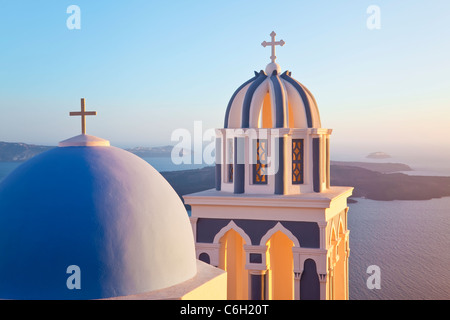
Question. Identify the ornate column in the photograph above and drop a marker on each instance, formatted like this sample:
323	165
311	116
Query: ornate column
324	294
193	221
297	277
347	254
239	165
323	234
279	175
218	171
298	270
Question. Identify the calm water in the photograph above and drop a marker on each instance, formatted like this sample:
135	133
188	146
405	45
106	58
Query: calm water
408	240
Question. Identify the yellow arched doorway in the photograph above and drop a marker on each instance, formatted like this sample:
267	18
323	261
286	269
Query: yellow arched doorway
280	273
232	260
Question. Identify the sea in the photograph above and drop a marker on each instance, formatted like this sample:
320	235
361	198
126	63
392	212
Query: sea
407	241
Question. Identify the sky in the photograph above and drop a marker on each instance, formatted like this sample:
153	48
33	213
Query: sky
151	67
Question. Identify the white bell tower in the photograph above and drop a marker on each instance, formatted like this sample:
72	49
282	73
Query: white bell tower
273	222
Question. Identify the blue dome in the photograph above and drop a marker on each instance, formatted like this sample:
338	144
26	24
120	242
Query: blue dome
102	209
272	101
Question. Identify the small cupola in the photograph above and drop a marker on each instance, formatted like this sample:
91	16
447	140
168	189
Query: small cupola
272	140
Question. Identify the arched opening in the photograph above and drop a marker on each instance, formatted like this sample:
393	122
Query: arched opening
280	273
232	260
340	268
265	116
332	262
204	257
291	123
333	238
309	281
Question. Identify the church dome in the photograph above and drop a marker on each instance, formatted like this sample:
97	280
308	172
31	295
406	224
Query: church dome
99	208
271	100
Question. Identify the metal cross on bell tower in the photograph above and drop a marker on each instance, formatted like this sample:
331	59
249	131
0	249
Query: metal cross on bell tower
273	43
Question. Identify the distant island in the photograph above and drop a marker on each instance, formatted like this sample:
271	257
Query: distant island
12	152
378	155
376	181
376	185
375	166
147	152
369	184
17	152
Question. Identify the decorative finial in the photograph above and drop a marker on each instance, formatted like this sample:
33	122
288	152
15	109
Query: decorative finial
83	115
273	43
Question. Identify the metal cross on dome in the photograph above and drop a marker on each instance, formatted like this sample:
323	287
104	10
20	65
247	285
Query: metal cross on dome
83	113
273	43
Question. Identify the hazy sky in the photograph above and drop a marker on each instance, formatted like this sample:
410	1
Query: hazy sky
150	67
